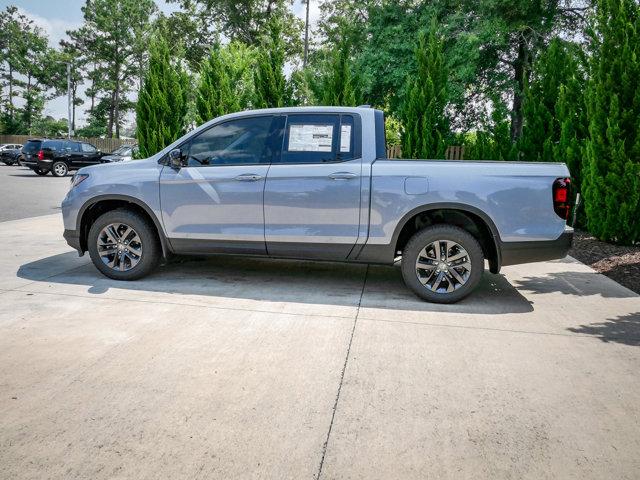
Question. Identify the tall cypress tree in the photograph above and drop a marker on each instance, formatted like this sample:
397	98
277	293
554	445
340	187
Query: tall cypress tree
426	126
162	101
611	179
337	86
557	68
270	82
215	95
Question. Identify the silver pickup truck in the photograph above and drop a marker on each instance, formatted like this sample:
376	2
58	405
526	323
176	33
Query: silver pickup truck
315	183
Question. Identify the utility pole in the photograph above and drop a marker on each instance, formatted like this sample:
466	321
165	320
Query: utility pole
306	37
69	100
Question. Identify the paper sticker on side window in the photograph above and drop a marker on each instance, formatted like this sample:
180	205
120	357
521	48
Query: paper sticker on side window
310	138
345	138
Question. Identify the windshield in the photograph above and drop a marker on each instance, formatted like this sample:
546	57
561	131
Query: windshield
32	146
122	151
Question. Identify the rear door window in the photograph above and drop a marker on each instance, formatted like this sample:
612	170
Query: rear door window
319	138
32	146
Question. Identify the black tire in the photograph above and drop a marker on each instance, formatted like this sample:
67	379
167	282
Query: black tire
59	169
427	237
151	249
40	172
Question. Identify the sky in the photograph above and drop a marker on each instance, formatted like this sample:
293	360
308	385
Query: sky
55	17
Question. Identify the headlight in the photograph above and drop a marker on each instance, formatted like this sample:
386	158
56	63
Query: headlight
78	178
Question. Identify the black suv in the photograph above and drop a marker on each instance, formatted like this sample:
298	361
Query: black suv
59	156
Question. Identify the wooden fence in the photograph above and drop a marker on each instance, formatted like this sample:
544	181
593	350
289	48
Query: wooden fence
107	145
454	152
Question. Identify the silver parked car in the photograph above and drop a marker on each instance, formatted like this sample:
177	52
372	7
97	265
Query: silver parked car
315	183
121	154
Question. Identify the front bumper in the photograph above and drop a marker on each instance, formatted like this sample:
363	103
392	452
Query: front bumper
73	240
515	253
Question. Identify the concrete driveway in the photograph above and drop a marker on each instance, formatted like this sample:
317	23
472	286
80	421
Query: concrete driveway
229	368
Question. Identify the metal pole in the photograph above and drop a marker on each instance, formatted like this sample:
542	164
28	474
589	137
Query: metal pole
69	100
306	37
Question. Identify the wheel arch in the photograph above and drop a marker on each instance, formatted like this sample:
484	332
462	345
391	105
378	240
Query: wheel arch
470	218
100	204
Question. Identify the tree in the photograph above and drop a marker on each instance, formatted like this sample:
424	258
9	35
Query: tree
270	83
426	127
247	20
502	39
215	96
28	66
611	179
337	84
558	68
162	101
114	35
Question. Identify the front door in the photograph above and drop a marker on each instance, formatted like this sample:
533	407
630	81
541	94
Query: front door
215	202
87	156
312	193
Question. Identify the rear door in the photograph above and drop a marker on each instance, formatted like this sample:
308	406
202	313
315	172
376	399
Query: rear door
312	193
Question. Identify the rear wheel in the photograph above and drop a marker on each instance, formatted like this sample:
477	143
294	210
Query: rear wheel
40	172
123	245
442	264
59	169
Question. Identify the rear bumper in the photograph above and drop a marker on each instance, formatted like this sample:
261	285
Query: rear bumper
73	240
514	253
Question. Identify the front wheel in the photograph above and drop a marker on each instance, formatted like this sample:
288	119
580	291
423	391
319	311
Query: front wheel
442	263
123	245
59	169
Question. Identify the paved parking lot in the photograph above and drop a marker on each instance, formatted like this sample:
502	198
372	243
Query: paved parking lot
25	194
231	368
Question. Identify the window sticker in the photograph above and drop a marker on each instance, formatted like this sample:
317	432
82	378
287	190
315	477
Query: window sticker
345	138
310	138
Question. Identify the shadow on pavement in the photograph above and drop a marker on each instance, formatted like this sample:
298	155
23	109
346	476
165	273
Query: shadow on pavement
279	281
574	283
623	329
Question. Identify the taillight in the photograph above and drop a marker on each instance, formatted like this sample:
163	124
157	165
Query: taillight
40	155
561	197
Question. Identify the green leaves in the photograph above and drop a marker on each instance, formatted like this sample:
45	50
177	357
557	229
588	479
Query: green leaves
215	96
162	102
270	83
426	126
611	180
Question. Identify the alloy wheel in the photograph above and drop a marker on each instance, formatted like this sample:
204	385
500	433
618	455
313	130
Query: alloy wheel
60	169
443	266
119	247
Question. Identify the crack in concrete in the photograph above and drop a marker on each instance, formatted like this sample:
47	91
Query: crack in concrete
344	368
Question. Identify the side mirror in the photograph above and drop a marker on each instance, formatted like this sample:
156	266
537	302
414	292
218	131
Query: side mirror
175	158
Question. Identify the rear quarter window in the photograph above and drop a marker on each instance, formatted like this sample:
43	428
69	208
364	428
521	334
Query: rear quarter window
55	145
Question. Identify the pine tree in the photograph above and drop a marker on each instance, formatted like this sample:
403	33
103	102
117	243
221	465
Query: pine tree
426	126
162	102
337	86
215	95
270	82
611	178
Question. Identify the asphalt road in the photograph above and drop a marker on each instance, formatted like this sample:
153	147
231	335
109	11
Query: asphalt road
25	194
261	369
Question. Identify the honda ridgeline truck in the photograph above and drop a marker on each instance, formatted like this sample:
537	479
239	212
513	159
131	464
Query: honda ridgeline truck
314	183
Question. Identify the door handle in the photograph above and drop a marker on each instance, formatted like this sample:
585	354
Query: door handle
342	175
248	177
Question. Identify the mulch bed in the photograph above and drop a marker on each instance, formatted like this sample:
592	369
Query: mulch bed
621	264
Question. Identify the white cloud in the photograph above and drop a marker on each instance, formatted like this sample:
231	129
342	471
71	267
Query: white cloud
54	28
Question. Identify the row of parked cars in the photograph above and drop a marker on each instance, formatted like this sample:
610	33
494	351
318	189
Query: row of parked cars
58	156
